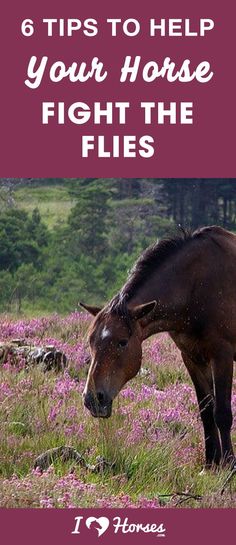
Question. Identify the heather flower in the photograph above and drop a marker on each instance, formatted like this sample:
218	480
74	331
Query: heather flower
55	410
155	430
5	390
64	386
46	503
128	393
75	430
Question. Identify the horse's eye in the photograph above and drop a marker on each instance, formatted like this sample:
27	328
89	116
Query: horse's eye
122	343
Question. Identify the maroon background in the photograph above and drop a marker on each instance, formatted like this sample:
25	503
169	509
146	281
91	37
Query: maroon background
183	527
205	149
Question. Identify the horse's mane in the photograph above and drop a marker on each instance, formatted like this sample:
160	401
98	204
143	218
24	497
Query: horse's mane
152	258
149	261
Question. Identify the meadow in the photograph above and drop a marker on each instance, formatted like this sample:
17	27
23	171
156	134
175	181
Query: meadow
53	202
148	454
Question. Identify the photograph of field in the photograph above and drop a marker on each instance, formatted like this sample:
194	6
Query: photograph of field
65	241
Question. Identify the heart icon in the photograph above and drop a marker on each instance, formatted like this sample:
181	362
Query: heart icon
103	523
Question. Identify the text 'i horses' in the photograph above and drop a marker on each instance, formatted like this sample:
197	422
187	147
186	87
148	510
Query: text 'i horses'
187	287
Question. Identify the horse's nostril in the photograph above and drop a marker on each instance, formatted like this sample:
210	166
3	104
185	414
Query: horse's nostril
100	397
99	404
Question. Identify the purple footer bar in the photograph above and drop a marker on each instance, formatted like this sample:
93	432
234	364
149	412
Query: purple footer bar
121	526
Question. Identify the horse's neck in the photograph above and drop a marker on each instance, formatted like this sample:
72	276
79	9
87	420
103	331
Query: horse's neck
170	311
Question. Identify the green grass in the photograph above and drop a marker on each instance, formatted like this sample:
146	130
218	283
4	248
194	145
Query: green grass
148	457
138	471
53	201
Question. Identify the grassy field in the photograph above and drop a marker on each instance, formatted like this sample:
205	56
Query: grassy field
53	201
148	454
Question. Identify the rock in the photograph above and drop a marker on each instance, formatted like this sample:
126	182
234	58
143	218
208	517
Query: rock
143	372
18	342
65	454
54	360
101	465
47	357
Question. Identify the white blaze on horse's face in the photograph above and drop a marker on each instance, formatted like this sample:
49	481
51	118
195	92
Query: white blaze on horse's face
105	333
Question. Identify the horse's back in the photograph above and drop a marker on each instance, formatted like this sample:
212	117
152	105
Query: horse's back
213	299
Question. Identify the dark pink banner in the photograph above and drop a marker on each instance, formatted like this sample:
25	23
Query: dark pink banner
205	148
75	527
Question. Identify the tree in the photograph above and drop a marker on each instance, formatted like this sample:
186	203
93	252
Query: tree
20	239
88	222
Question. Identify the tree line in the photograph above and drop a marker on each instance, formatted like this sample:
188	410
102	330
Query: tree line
87	256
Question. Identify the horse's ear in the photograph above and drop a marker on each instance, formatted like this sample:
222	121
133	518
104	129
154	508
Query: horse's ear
140	311
92	310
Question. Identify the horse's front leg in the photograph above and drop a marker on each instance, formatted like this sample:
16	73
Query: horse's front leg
222	369
202	380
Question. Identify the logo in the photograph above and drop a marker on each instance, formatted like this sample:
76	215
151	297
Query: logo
102	522
117	525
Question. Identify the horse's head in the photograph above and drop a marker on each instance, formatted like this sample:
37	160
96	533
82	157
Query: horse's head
115	340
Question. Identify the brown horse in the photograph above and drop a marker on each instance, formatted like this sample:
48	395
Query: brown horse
187	287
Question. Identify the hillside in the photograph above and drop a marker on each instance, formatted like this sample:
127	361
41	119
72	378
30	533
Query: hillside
64	240
52	199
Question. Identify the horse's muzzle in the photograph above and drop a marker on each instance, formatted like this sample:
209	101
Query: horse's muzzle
100	405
